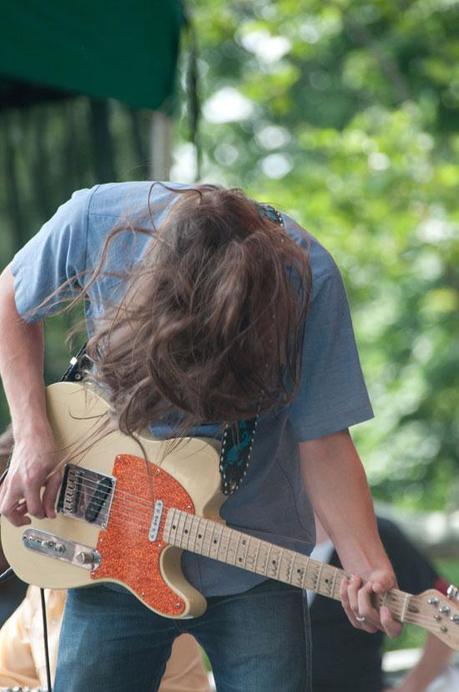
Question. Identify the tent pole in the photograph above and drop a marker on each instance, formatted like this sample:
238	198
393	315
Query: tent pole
160	146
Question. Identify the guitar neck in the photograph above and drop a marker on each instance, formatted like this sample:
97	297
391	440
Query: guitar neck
219	542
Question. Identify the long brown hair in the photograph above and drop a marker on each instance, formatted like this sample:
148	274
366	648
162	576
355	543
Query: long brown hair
211	322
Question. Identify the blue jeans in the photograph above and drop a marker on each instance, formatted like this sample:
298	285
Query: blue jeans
257	641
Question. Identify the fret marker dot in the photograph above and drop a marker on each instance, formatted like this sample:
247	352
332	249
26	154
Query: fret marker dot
199	535
186	531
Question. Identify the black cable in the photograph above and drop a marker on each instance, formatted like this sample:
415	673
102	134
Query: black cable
8	573
45	637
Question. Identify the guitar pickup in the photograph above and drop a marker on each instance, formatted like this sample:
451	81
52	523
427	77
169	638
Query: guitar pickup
86	495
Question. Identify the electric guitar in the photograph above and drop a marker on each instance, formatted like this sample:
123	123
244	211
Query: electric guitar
127	509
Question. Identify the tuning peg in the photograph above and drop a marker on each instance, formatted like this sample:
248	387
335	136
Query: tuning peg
453	592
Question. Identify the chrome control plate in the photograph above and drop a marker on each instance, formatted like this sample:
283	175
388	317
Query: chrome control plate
84	556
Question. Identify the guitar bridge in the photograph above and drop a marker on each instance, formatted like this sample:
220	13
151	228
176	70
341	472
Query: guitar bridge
86	495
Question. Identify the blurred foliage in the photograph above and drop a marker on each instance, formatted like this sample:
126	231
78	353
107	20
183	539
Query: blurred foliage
345	114
47	151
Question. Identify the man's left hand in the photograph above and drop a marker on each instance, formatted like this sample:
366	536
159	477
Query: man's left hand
358	597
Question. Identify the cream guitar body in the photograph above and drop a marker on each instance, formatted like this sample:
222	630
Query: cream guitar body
112	538
126	510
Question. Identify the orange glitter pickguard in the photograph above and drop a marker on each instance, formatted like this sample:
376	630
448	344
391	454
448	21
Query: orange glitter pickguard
127	554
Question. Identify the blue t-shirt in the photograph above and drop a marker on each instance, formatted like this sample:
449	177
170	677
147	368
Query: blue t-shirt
271	501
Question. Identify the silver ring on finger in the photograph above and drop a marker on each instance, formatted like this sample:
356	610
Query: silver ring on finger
360	618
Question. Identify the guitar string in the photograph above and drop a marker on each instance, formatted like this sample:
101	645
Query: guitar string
95	486
126	517
88	484
395	608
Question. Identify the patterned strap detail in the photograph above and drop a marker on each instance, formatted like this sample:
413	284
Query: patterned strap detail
271	213
237	443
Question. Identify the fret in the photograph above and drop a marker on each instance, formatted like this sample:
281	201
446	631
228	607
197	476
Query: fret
167	529
263	558
300	571
285	567
199	534
317	585
268	557
234	542
216	541
295	572
193	534
241	552
249	558
207	537
213	528
230	548
305	576
255	562
180	523
228	544
230	551
274	562
237	557
187	527
328	580
223	546
333	586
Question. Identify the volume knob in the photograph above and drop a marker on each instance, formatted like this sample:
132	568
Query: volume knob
85	558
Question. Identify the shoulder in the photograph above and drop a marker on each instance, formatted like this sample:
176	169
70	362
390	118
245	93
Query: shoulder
144	198
322	265
141	205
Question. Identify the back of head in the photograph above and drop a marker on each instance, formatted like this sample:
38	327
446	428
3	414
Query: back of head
212	319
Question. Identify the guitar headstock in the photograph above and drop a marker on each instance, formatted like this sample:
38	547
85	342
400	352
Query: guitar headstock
438	614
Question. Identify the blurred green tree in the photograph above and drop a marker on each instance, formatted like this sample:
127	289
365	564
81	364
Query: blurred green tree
345	114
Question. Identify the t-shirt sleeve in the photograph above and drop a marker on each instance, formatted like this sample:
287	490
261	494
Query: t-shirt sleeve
55	255
332	394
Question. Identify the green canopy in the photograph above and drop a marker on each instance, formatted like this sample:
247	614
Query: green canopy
113	49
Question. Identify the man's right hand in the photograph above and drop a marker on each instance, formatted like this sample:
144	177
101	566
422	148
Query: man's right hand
33	467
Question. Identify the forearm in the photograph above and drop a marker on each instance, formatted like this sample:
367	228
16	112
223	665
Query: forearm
434	659
21	365
336	483
35	457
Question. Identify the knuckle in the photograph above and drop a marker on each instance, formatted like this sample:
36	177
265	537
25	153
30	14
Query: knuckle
33	476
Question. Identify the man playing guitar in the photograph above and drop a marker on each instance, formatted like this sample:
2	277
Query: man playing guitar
208	315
